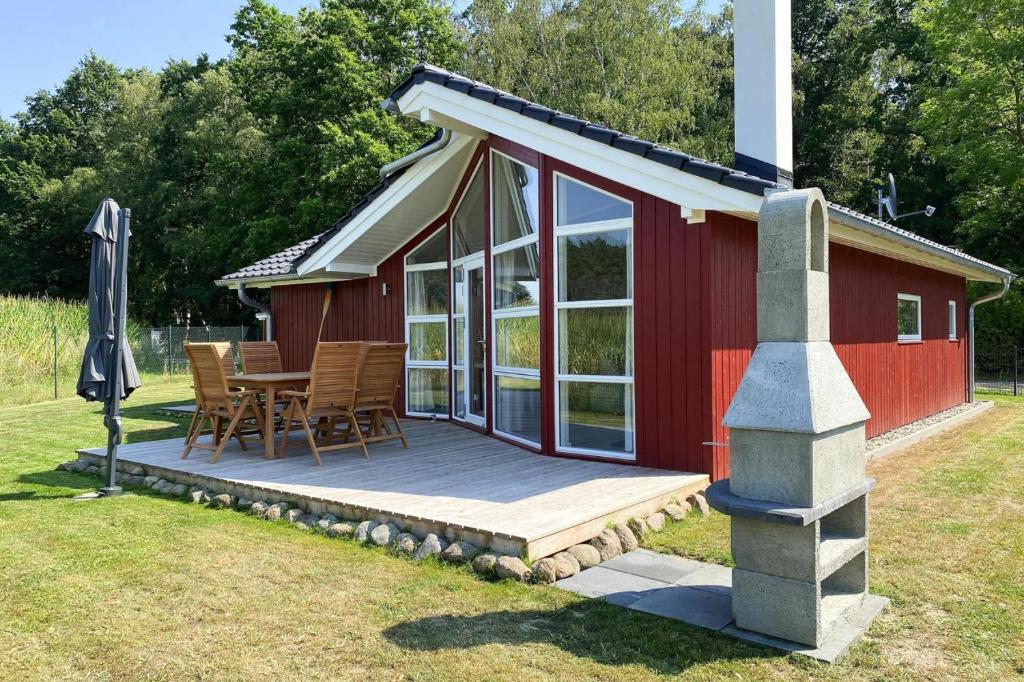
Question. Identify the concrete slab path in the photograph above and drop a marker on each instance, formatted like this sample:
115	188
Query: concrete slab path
699	594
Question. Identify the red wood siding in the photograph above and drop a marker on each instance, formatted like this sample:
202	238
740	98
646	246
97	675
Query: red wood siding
359	311
670	348
898	382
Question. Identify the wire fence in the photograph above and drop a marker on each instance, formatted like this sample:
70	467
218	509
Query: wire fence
51	370
161	350
997	370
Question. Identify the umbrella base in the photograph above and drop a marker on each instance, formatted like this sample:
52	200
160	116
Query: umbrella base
110	491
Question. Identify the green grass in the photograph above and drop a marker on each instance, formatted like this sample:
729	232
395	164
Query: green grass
142	587
27	327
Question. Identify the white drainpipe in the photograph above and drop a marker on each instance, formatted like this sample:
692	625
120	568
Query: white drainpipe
970	334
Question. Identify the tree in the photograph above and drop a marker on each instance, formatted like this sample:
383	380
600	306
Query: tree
973	120
645	68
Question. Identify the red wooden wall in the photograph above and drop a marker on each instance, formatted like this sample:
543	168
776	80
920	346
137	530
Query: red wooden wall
694	324
899	383
359	311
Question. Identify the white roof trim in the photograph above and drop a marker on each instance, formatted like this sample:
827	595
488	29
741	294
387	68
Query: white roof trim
382	205
684	189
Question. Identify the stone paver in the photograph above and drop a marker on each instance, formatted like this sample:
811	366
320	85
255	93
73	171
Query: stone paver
614	586
710	577
648	564
697	607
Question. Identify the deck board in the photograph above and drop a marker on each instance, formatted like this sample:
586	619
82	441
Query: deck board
450	477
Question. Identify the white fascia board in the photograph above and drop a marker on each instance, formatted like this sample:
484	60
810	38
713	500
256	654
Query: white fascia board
851	236
352	269
623	167
382	205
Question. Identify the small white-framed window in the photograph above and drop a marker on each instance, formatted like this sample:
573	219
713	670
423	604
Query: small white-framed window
426	327
593	321
908	318
951	323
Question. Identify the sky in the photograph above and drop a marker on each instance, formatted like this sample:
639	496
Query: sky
42	40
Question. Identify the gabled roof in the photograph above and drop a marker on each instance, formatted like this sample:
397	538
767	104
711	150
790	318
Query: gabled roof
283	265
426	73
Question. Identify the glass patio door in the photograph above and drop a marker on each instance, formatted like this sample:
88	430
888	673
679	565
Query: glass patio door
469	362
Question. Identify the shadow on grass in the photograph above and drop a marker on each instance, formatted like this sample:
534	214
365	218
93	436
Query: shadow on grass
604	633
50	479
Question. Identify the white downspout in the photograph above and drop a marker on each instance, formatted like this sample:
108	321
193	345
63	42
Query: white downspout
970	334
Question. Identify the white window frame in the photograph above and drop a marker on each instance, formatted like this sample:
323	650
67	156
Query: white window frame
909	338
578	229
411	319
523	311
471	260
951	321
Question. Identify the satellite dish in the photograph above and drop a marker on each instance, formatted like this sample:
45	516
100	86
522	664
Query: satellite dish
890	201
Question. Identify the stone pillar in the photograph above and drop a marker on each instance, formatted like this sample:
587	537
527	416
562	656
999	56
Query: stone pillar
797	493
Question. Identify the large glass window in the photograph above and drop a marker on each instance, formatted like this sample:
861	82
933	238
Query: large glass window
593	321
515	330
426	326
468	230
515	198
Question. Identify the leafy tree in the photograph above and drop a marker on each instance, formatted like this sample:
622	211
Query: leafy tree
646	68
973	119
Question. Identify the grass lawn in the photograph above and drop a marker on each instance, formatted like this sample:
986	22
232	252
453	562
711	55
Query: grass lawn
146	587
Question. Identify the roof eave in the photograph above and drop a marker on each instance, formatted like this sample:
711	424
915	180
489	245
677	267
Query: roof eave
981	271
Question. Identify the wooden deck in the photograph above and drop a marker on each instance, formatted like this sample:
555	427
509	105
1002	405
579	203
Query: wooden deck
451	481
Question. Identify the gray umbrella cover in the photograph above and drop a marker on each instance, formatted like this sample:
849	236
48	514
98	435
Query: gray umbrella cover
92	381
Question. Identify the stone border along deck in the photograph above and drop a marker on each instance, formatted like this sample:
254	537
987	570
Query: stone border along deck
612	541
931	430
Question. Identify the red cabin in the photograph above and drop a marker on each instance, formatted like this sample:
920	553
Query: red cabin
583	293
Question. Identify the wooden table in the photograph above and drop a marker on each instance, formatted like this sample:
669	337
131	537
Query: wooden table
268	384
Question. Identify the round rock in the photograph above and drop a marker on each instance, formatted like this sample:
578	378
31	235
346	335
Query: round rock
340	530
566	565
405	544
607	544
484	564
384	534
675	512
221	501
326	521
460	552
626	537
639	528
363	530
258	508
293	515
586	555
513	568
432	546
545	571
656	521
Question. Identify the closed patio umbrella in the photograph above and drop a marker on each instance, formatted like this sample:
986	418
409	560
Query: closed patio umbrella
107	349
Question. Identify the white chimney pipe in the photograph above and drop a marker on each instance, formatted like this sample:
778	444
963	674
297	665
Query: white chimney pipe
762	51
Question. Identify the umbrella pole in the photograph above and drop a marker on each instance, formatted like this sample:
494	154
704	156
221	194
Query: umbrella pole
113	408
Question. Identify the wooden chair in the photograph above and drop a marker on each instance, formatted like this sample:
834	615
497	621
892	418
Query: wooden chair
216	402
260	357
331	398
378	384
227	361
